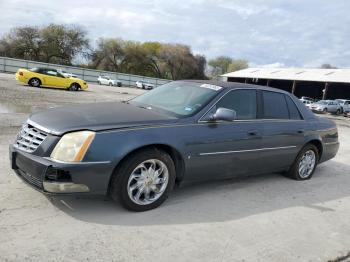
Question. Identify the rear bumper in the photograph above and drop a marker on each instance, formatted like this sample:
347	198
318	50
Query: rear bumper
53	177
21	79
329	151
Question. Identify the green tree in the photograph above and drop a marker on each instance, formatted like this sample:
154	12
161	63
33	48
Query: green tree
53	43
60	44
328	66
22	42
109	54
224	64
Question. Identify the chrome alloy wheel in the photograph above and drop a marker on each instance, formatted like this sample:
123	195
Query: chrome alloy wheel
148	182
307	164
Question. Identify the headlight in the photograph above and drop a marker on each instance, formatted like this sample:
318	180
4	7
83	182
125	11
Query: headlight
73	146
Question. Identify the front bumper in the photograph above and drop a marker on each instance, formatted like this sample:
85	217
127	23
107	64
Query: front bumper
53	177
317	110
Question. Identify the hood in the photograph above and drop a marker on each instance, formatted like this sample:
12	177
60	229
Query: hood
96	117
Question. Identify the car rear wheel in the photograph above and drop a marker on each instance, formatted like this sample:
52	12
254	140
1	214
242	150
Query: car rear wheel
305	163
325	110
144	180
35	82
338	112
110	84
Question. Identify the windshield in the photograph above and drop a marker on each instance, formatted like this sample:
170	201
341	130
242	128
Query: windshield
34	69
178	98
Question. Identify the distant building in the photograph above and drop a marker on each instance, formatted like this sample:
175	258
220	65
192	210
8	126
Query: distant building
314	83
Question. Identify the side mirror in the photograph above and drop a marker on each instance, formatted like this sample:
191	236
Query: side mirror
223	114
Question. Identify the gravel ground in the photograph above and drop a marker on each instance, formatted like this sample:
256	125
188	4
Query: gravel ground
262	218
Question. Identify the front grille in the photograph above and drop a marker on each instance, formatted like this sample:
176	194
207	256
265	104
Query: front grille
29	138
30	179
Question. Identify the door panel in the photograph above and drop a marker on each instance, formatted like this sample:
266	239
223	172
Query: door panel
282	131
282	140
51	78
224	150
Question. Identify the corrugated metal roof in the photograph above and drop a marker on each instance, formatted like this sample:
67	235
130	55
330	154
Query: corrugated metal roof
301	74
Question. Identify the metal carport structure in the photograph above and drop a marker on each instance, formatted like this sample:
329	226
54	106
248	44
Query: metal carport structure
315	83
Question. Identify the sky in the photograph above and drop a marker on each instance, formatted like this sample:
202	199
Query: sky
269	33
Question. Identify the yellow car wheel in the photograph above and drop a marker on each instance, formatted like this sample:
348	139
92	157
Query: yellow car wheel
74	87
35	82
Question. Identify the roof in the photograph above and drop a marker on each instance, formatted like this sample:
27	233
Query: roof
300	74
233	85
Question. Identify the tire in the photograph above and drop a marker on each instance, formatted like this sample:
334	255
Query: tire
35	82
338	112
99	83
325	110
119	84
296	171
124	188
74	87
110	84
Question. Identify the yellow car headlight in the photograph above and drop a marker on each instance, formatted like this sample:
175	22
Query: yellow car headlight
73	146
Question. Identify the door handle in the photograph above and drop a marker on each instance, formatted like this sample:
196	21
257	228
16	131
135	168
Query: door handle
300	131
253	132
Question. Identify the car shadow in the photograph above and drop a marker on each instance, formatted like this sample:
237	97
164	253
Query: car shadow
53	88
218	201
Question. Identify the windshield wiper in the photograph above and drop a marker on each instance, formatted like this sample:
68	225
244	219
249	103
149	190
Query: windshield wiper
145	107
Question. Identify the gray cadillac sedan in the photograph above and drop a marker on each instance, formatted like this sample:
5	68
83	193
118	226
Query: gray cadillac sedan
138	150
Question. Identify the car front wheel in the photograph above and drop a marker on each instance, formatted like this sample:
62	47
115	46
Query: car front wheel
74	87
144	180
305	163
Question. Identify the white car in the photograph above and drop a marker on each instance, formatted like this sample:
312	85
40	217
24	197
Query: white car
306	98
143	85
325	106
307	103
344	105
106	80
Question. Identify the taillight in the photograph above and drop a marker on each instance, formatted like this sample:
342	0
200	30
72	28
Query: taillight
20	73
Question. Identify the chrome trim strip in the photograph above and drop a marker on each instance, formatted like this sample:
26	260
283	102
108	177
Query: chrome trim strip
65	187
44	129
254	120
200	123
247	150
77	163
250	120
331	143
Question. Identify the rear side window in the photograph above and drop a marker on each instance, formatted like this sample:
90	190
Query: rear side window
293	110
242	101
275	106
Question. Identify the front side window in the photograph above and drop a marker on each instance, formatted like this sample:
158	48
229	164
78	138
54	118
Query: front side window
242	101
275	106
51	72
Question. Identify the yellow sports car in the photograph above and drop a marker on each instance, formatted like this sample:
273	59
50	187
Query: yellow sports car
49	78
